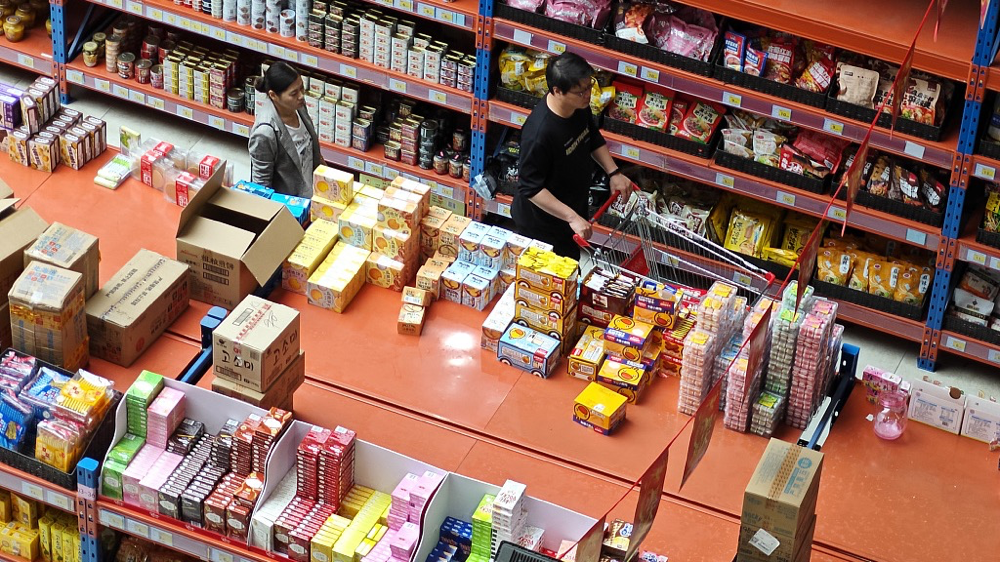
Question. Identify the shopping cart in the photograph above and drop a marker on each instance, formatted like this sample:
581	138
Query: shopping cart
659	247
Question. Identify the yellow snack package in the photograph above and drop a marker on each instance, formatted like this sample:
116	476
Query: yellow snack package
797	233
779	256
747	233
882	278
858	279
834	266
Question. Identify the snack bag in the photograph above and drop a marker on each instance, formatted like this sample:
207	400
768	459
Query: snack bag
734	51
700	121
626	103
747	233
754	61
834	266
856	85
767	147
881	281
859	274
654	108
780	60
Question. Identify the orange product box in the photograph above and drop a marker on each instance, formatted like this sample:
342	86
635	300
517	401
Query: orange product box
357	226
544	300
411	320
421	190
396	244
333	184
429	279
326	209
586	358
625	378
386	272
415	295
430	233
545	321
450	233
439	212
398	214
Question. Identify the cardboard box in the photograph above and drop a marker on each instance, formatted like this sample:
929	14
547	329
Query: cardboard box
256	343
135	306
280	391
940	406
798	550
544	300
449	234
498	320
625	378
333	184
18	230
419	297
47	315
233	241
411	320
599	408
781	495
66	247
585	360
552	324
528	350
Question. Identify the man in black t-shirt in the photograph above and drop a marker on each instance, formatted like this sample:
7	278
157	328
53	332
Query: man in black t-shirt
559	144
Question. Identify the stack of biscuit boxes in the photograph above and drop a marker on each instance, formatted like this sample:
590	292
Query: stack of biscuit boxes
545	294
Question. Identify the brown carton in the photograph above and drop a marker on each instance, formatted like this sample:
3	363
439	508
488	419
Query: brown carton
68	248
233	242
788	550
279	393
18	230
256	343
135	306
411	320
47	317
781	495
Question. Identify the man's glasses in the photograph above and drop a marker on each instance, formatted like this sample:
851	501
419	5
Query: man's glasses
585	92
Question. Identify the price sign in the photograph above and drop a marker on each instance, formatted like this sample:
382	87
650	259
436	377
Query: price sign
310	60
426	11
120	91
186	24
137	528
446	16
61	501
556	47
630	152
241	129
724	180
356	163
523	37
732	99
995	263
161	536
185	112
831	126
373	169
406	5
277	50
155	103
154	14
397	85
102	85
915	236
75	76
954	343
25	60
137	97
460	20
348	71
257	45
837	213
135	8
446	191
389	173
235	38
787	199
216	555
117	4
33	490
437	97
217	33
742	279
628	69
217	122
976	257
782	113
292	55
518	118
503	209
993	356
913	149
170	18
984	172
113	520
650	74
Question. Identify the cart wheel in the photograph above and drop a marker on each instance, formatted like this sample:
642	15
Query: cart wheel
505	361
522	303
538	373
523	284
555	334
522	322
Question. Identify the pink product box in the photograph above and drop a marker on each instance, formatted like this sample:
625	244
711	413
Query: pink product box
401	495
155	477
404	541
877	381
137	470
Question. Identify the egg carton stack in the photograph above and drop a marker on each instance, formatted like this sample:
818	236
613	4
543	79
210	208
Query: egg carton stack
811	364
509	515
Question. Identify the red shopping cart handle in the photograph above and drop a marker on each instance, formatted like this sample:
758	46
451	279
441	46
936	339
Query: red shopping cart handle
600	212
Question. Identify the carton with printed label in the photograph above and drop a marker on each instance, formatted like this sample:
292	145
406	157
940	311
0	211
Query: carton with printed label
256	342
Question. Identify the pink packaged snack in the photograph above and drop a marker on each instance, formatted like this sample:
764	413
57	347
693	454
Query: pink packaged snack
588	13
689	32
526	5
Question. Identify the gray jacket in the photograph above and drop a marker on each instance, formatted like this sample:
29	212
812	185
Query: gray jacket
274	162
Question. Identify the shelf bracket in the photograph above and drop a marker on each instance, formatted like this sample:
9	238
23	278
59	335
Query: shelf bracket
976	83
946	254
929	347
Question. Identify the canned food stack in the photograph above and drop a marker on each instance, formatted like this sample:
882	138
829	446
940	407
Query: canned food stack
546	293
509	514
272	16
244	12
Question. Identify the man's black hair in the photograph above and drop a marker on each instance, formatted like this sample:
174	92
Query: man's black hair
567	71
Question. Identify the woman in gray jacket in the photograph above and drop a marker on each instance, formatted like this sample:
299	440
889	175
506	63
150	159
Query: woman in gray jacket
284	149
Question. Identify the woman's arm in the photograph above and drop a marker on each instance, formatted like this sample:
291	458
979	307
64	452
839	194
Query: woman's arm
263	151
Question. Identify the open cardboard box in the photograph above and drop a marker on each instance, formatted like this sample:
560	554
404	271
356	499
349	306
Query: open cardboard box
233	242
18	229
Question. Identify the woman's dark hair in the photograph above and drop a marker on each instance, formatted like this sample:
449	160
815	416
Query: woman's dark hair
278	78
567	71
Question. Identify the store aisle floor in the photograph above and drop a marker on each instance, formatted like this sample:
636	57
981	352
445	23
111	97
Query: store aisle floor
877	348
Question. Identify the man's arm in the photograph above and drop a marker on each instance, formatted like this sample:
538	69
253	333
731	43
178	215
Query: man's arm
548	203
619	182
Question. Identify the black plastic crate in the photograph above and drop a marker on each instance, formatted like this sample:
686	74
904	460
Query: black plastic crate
866	115
916	213
520	99
540	21
868	300
757	83
989	148
661	138
772	173
991	239
653	53
975	331
97	448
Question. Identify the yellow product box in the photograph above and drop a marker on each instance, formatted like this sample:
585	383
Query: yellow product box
546	271
333	184
476	292
71	543
626	337
57	530
429	279
430	233
6	507
626	378
301	265
452	280
24	510
438	255
383	271
422	190
45	535
599	408
343	549
370	191
321	546
398	214
557	303
336	522
417	296
556	326
406	195
320	232
335	286
325	209
450	233
586	358
396	244
18	540
516	245
439	212
357	226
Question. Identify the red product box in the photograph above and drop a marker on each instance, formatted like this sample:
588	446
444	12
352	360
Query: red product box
237	521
